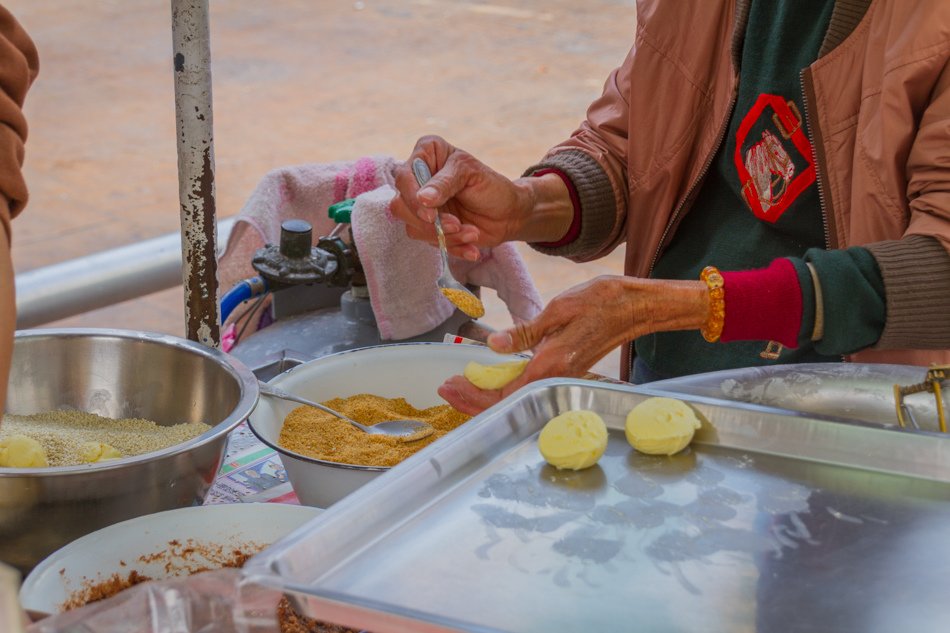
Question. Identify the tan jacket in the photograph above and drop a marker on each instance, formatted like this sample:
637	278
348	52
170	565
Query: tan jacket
19	64
878	104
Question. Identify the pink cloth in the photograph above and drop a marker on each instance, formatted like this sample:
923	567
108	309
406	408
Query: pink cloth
401	272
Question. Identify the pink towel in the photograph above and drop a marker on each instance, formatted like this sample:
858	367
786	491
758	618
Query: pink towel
401	272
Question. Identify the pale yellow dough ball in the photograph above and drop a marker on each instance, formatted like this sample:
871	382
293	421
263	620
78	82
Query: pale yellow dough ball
92	452
661	426
574	440
493	376
21	451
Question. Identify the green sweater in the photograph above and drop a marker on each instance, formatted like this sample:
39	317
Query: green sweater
760	201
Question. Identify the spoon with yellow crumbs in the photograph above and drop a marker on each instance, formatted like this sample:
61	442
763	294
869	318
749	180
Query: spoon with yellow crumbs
463	298
405	430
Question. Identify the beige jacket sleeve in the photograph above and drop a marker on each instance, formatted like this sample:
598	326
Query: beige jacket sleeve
19	64
595	158
916	268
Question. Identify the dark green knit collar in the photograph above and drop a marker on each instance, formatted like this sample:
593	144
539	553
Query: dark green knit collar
844	19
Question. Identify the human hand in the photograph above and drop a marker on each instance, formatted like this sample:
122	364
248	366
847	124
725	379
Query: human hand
582	325
480	208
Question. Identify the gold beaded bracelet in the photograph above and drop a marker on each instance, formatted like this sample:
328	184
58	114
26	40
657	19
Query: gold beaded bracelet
716	319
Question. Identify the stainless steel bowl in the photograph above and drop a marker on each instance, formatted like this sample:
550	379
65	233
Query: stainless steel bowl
118	374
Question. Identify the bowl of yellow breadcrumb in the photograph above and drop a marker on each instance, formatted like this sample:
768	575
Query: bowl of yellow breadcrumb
102	425
326	458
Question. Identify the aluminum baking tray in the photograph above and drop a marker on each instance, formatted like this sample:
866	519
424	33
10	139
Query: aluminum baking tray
854	391
771	521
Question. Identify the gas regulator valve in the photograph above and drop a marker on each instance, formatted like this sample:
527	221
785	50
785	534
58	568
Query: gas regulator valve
295	262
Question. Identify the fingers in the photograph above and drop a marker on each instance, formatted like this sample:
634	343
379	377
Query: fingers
437	154
422	201
466	397
451	178
567	338
469	399
434	150
522	337
459	240
464	192
406	205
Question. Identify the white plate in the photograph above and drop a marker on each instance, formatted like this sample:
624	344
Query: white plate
152	545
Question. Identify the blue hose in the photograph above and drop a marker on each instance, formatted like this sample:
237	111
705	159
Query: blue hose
241	292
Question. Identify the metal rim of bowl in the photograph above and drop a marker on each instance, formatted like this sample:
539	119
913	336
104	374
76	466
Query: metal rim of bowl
241	411
322	462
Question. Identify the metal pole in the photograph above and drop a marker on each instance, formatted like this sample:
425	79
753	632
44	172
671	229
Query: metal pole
192	60
102	279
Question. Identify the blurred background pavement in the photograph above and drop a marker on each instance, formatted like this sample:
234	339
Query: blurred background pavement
294	81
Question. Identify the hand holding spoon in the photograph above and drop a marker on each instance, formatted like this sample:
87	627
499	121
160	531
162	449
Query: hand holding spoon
459	295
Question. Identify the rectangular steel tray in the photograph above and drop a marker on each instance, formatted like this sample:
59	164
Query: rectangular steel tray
771	521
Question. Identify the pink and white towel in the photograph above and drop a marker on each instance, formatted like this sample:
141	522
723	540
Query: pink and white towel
401	272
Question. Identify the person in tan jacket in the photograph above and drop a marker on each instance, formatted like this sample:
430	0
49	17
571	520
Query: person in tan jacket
19	64
778	171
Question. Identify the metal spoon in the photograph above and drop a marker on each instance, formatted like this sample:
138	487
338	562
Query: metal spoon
406	430
459	295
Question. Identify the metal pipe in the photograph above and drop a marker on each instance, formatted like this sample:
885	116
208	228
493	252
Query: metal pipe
195	132
102	279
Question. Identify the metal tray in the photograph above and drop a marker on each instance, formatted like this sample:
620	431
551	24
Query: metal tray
771	521
854	391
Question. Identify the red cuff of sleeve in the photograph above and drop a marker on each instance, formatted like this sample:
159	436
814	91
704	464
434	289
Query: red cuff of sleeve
763	305
575	229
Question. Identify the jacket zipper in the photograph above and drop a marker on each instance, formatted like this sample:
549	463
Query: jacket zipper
814	156
695	184
723	128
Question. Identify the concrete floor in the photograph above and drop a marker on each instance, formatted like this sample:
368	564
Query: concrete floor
294	81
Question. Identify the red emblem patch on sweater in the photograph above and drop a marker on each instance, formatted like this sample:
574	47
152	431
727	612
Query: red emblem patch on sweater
765	165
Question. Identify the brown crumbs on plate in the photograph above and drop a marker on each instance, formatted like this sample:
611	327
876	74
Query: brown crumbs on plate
292	622
104	589
181	558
